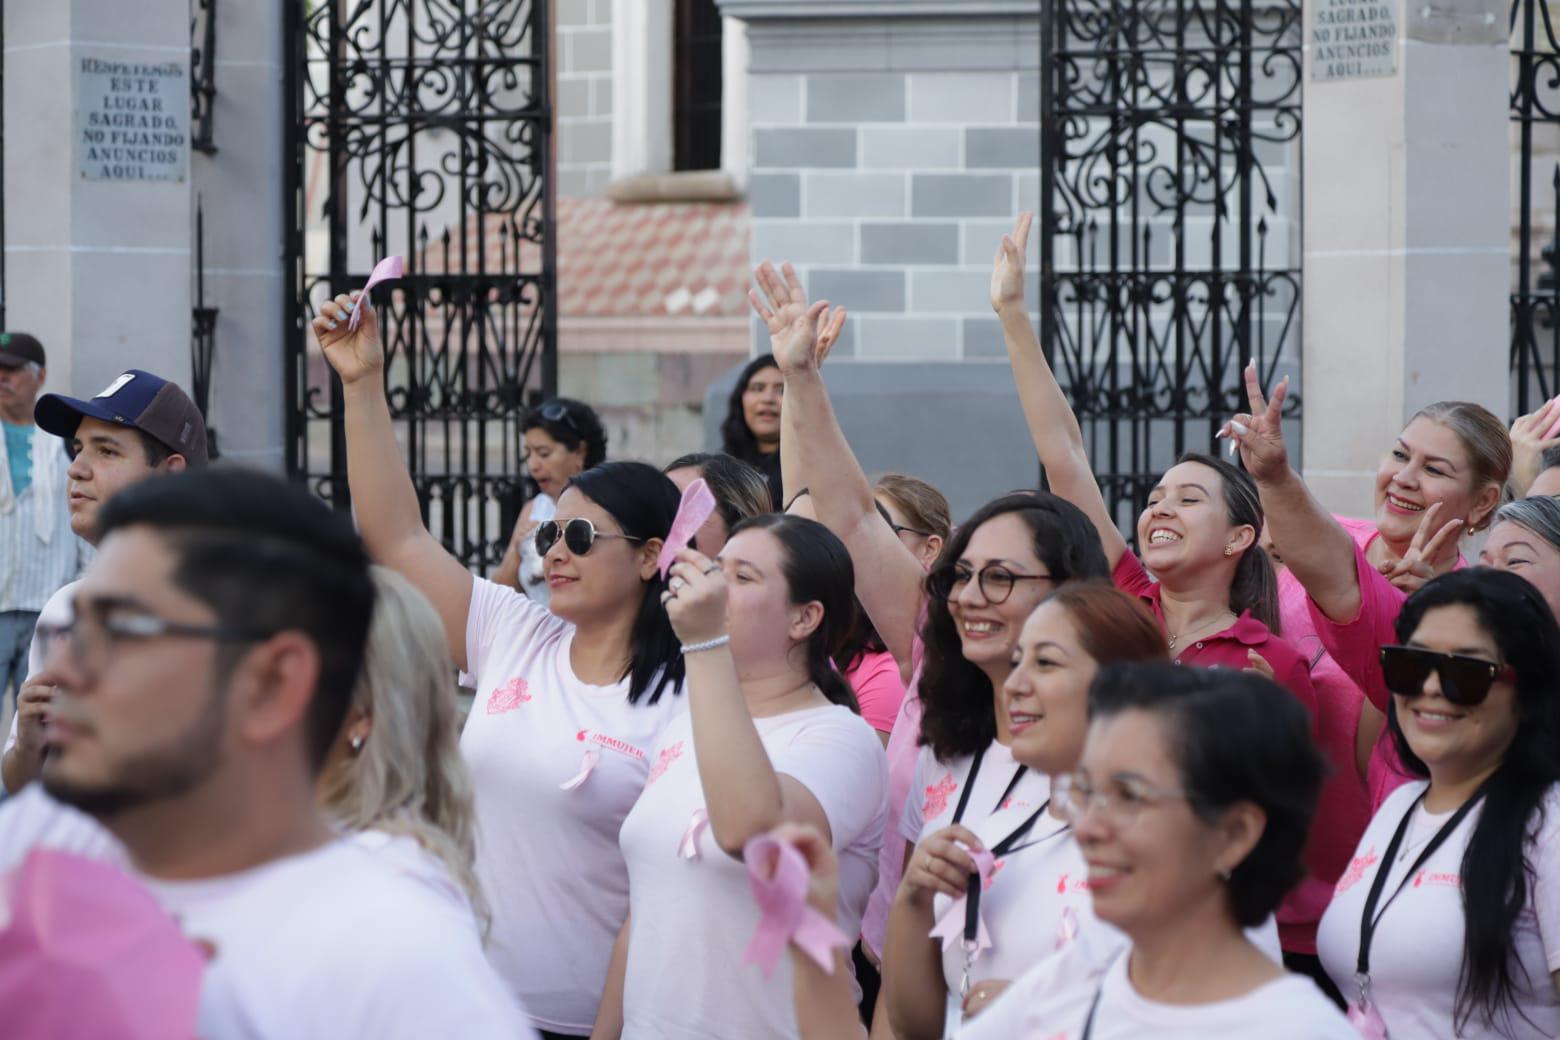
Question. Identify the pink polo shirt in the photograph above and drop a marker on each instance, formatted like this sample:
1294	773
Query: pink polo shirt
1330	839
879	690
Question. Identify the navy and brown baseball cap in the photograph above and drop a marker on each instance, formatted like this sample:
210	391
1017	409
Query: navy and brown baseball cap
140	401
20	348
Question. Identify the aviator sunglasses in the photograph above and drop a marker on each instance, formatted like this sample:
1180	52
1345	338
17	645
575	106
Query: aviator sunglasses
1465	681
578	535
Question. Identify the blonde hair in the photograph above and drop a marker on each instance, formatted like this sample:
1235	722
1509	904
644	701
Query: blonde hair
409	778
1483	437
923	505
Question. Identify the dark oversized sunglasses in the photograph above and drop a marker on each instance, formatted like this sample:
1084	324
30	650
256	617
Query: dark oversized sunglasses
578	535
1465	681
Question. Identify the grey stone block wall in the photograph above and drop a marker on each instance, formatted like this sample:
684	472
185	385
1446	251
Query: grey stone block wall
584	95
889	156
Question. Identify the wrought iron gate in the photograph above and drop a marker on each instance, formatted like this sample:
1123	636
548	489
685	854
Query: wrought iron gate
423	128
1170	220
1535	299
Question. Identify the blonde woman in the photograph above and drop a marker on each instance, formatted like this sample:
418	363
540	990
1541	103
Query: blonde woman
395	776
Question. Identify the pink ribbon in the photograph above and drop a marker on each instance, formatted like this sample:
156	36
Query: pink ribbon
777	874
389	268
1367	1022
688	848
587	763
950	926
697	504
1067	931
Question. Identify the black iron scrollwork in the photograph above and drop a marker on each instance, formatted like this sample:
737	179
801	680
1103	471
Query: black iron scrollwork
203	74
422	128
1535	300
1165	234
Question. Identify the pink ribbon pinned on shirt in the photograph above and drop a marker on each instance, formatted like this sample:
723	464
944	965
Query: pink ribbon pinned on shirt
587	763
697	504
688	848
950	926
1067	931
777	874
391	267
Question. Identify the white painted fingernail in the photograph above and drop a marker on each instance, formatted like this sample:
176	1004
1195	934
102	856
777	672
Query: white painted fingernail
1240	428
332	325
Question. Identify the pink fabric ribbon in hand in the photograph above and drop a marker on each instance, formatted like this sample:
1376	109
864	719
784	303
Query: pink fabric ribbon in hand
587	763
698	502
777	874
688	847
950	926
391	267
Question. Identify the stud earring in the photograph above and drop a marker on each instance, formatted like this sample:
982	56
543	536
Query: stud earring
356	744
1228	551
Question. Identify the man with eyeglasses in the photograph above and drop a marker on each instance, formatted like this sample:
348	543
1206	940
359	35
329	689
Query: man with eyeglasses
201	680
140	426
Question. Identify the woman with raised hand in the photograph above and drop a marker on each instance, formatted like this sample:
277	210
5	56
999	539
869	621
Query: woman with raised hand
1443	476
965	613
1037	895
569	697
1191	804
1447	922
771	735
394	777
1216	593
563	438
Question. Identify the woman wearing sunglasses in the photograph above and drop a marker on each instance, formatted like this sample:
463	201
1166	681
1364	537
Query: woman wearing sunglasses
563	438
569	697
1191	805
1447	922
952	630
771	735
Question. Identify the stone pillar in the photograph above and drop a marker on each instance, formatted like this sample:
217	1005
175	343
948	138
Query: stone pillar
97	260
1407	229
241	187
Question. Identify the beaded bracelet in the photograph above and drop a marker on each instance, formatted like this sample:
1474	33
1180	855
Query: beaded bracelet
708	644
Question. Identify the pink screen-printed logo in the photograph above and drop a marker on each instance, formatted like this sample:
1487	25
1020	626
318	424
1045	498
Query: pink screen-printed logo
664	760
1356	871
622	747
937	797
507	697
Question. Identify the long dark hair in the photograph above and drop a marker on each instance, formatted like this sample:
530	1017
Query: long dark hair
956	696
644	502
736	439
577	424
817	567
1236	737
1495	874
1255	587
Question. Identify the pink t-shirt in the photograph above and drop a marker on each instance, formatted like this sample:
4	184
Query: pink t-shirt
693	906
879	689
904	748
547	839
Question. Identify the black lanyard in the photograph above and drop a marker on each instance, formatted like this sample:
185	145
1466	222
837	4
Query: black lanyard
1001	848
969	786
1370	918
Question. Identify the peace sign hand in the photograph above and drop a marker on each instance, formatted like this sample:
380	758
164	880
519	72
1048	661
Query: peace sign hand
792	323
695	597
1418	564
1007	270
1259	434
354	353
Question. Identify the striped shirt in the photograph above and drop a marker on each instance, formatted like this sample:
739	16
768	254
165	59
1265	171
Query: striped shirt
30	570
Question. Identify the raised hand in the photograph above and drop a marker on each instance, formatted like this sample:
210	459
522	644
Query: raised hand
695	597
792	322
1530	438
1259	434
1007	270
354	354
1418	564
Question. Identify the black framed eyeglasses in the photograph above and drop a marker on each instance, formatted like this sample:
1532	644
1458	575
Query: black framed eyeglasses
578	535
1465	681
995	581
902	529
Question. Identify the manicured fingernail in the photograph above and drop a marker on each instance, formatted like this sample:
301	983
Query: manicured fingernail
333	324
1240	428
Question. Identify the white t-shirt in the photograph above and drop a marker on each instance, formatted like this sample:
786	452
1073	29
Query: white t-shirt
55	612
1038	904
533	577
693	918
1052	1001
407	857
548	858
335	942
1416	953
934	793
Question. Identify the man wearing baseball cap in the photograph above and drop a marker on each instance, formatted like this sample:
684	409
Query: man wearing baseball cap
140	426
38	551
